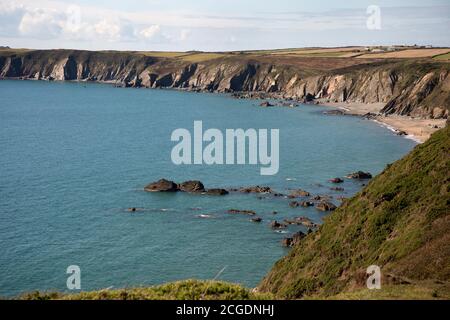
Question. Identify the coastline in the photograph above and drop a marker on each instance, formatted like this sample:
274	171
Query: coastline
416	129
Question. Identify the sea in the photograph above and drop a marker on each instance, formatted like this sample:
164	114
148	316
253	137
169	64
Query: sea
75	156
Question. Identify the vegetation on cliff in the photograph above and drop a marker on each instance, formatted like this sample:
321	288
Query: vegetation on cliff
180	290
400	222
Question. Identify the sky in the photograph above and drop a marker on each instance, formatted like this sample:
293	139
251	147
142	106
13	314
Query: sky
207	25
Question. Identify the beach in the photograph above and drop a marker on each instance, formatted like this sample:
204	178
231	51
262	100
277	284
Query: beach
416	128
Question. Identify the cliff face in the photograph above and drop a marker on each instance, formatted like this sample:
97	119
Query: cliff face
400	222
416	88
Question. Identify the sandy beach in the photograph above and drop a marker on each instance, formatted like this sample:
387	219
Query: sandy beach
417	129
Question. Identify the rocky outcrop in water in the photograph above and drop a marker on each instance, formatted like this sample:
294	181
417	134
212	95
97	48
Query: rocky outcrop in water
191	186
162	185
359	175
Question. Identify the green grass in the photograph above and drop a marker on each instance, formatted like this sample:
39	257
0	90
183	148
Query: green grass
397	292
400	222
201	57
180	290
443	57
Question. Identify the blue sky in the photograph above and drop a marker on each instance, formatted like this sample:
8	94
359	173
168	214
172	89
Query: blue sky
218	25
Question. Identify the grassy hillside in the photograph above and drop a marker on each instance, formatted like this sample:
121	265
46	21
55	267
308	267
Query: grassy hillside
400	222
180	290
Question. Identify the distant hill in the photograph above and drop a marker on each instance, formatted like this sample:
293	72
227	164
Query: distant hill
400	222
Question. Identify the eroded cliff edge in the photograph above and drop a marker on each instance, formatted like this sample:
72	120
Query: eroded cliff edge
414	87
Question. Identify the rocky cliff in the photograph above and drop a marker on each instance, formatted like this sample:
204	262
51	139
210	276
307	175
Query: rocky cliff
406	87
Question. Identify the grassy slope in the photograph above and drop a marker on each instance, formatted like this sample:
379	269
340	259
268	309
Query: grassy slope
180	290
400	222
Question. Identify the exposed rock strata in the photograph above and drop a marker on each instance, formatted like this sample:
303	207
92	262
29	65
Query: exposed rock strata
416	88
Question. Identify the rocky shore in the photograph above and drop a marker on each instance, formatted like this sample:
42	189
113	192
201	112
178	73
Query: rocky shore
296	198
411	88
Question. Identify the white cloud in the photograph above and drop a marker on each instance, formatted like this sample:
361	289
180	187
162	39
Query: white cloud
108	30
184	34
57	23
150	32
41	23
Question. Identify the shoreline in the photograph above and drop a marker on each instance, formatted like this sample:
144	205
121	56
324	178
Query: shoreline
416	129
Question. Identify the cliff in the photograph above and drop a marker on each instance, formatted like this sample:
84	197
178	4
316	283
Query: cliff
400	222
416	87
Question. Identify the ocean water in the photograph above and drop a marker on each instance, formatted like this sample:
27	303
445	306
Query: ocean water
75	156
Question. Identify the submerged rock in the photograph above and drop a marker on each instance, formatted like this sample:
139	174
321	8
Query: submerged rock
256	219
256	189
334	112
162	185
336	180
265	104
216	192
237	211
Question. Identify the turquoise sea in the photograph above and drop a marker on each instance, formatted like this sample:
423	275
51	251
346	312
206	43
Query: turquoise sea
75	156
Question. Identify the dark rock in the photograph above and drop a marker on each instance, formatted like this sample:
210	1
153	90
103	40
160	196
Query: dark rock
306	204
369	115
298	193
401	133
276	194
336	180
192	186
256	219
318	197
286	242
237	211
216	192
304	221
359	175
337	189
265	104
294	204
326	206
256	189
277	225
309	97
162	185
